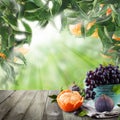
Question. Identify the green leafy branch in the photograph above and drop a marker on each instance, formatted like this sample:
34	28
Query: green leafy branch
106	14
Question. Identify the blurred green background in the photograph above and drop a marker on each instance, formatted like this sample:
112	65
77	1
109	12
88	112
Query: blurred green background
57	59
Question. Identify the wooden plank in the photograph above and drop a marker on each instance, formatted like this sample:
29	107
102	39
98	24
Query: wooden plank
7	105
71	116
18	111
36	109
52	111
4	94
114	118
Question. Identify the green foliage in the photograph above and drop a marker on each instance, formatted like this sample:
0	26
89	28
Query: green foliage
72	11
116	89
83	113
53	97
9	11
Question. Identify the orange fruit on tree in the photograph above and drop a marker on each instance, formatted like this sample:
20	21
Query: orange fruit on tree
109	11
90	24
75	29
2	55
115	37
105	56
69	100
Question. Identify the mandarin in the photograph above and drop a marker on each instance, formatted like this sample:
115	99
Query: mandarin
2	55
75	29
109	11
69	100
115	37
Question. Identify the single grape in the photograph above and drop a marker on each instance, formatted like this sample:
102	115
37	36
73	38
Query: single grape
75	88
76	112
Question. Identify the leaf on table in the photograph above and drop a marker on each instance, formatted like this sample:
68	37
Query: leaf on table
53	97
83	113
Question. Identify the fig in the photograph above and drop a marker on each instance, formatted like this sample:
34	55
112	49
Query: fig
104	103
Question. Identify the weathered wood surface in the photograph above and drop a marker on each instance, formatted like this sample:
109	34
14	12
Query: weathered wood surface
33	105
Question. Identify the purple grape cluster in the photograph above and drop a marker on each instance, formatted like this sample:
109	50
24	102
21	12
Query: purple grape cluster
103	75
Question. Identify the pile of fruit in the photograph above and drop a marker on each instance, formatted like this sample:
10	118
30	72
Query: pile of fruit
103	75
71	100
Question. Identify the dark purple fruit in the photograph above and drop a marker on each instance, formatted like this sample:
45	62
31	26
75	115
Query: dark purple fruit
75	88
104	103
103	75
76	112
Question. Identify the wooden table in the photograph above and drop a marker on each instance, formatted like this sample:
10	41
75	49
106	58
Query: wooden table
32	105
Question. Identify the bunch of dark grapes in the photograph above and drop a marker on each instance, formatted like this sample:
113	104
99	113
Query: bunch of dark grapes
103	75
77	88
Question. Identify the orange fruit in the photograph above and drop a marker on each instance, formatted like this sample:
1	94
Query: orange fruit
2	55
101	5
69	100
90	24
95	34
109	11
75	29
105	56
23	49
115	37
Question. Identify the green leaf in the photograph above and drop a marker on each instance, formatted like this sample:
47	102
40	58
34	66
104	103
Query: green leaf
53	101
38	3
56	6
83	31
5	33
63	21
30	6
116	89
65	4
27	33
102	19
90	31
11	20
27	27
118	104
107	35
83	113
9	71
53	96
105	41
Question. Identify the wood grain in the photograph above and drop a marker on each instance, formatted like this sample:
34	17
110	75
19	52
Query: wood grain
5	94
19	110
33	105
7	105
52	111
35	111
